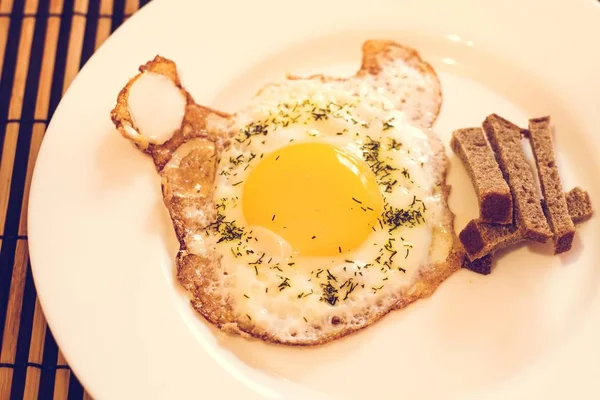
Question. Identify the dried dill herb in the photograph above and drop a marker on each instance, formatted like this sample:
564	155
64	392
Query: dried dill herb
388	124
253	129
394	144
329	293
393	217
284	284
227	230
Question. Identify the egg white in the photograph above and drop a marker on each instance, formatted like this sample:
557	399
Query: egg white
265	280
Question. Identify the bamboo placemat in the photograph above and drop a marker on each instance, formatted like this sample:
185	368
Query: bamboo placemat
43	44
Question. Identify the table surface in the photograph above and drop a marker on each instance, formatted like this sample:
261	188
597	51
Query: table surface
43	44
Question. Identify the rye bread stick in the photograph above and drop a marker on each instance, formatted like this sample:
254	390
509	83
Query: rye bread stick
540	138
493	193
505	140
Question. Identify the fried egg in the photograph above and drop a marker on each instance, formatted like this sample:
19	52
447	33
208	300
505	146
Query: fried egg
311	212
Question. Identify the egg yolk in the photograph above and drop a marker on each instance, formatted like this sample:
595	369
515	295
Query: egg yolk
321	199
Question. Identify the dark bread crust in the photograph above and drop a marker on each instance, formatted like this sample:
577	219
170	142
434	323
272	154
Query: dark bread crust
481	265
481	238
540	138
493	193
186	163
505	140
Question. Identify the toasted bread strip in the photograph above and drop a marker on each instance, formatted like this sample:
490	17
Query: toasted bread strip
481	239
505	139
579	205
540	137
493	193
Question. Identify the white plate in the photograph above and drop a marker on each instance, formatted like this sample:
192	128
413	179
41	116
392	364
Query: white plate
102	246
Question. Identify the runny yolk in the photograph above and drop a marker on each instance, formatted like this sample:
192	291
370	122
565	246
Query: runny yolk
321	199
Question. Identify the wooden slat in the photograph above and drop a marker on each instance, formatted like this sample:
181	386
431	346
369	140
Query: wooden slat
50	44
6	168
131	6
6	6
13	317
38	335
31	6
103	31
61	385
37	135
56	6
4	26
81	6
2	389
36	353
75	47
106	7
36	349
16	100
